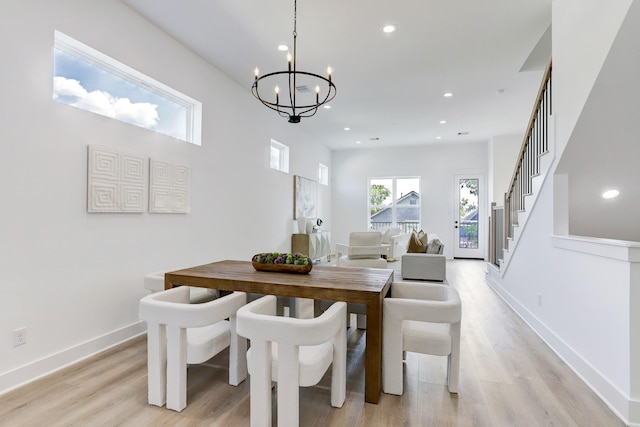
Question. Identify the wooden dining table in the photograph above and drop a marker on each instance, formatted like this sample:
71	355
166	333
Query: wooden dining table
366	286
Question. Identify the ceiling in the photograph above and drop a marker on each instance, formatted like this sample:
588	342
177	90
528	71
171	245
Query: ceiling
490	54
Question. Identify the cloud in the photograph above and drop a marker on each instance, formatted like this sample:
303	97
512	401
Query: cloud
142	114
68	87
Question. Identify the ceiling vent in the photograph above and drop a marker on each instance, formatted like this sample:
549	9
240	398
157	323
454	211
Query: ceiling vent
302	89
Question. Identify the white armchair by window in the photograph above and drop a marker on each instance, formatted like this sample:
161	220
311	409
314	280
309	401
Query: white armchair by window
395	242
423	318
294	353
363	246
181	333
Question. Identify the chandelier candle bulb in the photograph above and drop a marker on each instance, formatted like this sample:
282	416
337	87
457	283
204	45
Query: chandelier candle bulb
256	72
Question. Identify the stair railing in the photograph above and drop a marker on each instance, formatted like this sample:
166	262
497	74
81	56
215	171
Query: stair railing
536	143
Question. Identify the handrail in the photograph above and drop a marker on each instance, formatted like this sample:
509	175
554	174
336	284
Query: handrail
535	143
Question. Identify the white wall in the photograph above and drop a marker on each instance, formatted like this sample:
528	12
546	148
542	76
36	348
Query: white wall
588	299
503	154
74	279
436	165
603	149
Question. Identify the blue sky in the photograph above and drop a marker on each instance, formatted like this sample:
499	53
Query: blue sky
89	87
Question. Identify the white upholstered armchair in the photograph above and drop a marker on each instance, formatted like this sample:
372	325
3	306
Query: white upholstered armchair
395	242
294	353
423	318
180	333
365	249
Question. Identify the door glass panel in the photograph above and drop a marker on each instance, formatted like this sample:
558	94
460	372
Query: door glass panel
468	214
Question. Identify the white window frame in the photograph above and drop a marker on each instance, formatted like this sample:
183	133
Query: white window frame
323	174
99	60
393	200
282	153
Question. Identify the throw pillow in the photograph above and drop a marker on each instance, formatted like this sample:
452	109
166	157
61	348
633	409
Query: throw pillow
434	246
417	243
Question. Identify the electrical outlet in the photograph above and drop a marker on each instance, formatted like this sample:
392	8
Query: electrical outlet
19	337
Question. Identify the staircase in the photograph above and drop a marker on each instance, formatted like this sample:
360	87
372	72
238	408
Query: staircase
532	167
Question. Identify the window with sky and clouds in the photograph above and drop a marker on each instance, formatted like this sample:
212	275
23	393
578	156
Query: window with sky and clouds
88	79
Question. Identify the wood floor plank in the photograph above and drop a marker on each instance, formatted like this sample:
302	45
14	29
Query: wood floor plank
508	377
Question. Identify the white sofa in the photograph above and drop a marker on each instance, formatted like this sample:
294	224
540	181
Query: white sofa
425	266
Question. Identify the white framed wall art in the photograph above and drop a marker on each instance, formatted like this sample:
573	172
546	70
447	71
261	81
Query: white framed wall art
169	187
115	181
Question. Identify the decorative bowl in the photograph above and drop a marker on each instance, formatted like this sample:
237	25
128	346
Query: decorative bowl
282	262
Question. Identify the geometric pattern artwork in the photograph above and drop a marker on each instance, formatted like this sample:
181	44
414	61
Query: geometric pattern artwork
115	181
169	187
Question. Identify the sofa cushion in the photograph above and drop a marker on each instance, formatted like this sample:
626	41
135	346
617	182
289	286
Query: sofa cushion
417	242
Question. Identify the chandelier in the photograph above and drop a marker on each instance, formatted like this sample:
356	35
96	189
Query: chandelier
299	101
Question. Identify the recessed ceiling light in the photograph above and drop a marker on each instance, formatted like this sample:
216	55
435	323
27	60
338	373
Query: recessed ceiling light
283	48
448	95
610	194
438	137
347	128
327	107
357	142
389	28
443	122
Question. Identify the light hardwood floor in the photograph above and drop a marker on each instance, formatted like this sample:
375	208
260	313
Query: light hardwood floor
508	378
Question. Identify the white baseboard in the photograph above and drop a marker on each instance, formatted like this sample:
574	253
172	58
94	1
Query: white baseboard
50	364
627	409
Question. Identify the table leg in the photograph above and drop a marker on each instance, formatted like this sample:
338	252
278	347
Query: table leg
373	352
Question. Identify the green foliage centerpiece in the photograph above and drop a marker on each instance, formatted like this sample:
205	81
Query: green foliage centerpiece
282	262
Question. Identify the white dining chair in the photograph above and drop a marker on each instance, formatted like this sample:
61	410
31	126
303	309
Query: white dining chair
423	318
181	333
294	353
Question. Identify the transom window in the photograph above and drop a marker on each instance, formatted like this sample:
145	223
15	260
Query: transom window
323	174
279	156
92	81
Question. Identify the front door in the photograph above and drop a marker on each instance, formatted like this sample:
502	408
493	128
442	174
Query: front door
468	226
